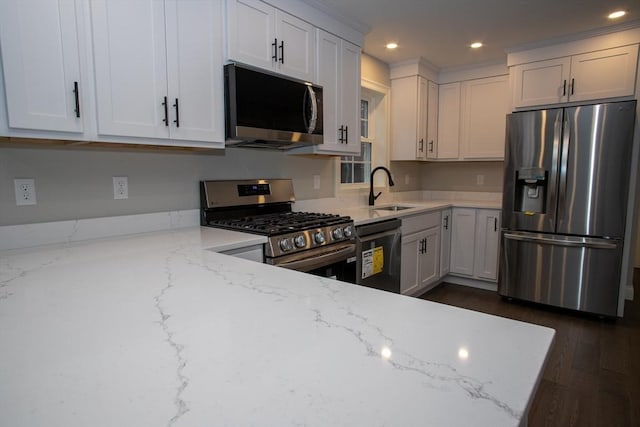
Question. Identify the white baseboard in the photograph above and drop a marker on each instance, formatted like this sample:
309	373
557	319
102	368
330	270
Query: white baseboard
473	283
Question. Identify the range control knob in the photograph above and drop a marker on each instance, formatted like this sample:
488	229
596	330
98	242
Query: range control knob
319	237
337	233
300	241
286	245
348	231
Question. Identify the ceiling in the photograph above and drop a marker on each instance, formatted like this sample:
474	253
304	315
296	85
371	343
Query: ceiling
440	31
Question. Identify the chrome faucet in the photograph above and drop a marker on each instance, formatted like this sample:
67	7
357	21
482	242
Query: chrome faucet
373	198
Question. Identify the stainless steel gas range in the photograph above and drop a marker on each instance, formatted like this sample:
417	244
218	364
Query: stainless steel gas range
318	243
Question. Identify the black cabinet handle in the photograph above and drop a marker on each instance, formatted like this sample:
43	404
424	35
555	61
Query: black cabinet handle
341	130
421	142
76	93
446	222
166	112
564	88
275	50
177	120
281	52
495	224
431	146
573	85
346	132
425	244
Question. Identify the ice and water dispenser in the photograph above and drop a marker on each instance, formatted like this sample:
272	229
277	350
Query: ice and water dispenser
531	190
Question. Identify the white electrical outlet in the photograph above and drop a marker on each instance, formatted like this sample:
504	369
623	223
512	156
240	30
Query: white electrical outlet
120	187
407	179
479	179
25	191
316	182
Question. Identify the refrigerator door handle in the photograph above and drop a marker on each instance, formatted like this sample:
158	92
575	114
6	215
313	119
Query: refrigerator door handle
578	242
564	162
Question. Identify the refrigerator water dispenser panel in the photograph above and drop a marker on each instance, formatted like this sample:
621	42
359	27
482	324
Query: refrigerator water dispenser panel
531	190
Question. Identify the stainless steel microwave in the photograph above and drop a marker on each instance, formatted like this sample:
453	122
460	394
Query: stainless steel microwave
267	110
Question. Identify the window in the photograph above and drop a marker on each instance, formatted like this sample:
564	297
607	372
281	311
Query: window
357	169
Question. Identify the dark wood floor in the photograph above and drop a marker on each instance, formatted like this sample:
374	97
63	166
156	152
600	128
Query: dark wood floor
592	377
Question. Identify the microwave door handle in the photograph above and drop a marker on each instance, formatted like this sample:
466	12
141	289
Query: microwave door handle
311	126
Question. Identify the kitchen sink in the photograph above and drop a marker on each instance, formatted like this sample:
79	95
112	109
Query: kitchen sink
392	208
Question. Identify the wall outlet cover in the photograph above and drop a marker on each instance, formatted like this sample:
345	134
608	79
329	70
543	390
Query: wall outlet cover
25	190
120	187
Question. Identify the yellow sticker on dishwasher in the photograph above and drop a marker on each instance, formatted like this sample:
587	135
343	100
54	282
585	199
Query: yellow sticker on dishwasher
372	262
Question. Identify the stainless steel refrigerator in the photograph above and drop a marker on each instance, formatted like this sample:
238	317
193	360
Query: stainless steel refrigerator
566	183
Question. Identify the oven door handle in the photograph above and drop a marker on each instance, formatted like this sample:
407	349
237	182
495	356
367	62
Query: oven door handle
316	261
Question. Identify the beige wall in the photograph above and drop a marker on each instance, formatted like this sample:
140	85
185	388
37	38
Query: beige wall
375	70
462	176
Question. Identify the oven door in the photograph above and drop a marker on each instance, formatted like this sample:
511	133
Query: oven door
327	261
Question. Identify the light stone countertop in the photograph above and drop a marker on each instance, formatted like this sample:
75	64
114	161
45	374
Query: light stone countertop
368	214
156	330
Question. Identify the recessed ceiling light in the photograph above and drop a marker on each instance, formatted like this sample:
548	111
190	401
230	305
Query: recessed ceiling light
392	45
617	14
475	45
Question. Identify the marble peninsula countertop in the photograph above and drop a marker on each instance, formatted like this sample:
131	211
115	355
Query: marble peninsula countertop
157	329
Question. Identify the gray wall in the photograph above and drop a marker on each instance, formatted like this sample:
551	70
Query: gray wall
76	183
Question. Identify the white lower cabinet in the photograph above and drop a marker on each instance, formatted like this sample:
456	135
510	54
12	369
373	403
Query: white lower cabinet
420	265
445	242
475	241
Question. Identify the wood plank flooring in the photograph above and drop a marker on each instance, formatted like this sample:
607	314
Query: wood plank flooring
592	378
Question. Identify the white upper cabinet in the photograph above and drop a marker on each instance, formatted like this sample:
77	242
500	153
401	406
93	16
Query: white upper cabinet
485	104
338	72
472	119
432	121
194	64
130	68
158	68
542	82
412	121
40	56
448	147
260	35
607	73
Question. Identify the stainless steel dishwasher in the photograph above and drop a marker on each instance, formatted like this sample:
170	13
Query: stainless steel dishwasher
378	247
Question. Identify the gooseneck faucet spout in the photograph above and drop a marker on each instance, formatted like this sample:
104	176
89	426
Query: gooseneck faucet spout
373	198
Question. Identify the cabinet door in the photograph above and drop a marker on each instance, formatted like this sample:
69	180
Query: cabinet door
329	72
251	33
445	242
404	123
194	63
130	67
409	261
296	46
423	105
430	258
448	121
41	64
487	244
350	96
604	74
432	121
484	111
541	82
463	241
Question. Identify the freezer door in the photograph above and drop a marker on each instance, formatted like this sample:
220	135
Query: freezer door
532	153
594	171
571	272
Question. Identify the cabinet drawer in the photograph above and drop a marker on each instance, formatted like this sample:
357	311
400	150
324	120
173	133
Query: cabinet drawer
420	222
